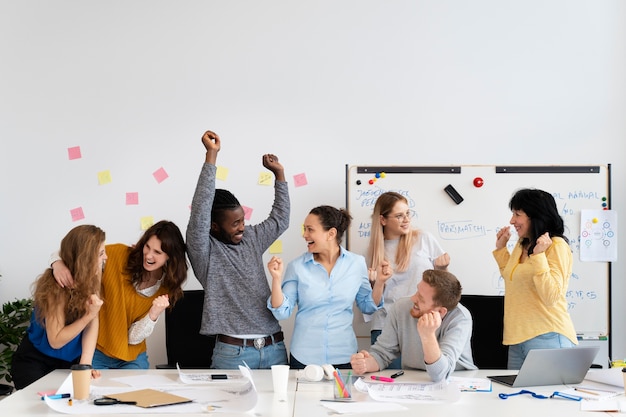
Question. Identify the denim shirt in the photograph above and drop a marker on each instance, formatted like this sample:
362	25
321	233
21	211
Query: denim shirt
323	332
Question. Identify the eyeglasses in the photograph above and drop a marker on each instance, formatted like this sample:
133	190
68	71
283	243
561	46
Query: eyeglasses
400	217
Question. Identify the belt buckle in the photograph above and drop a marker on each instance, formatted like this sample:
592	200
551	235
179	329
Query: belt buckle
259	342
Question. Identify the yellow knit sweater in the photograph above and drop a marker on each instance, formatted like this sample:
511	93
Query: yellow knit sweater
122	306
535	290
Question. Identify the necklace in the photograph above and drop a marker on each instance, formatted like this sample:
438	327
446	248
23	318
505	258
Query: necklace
148	282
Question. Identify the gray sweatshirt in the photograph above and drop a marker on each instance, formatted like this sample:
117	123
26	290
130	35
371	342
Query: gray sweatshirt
233	276
400	336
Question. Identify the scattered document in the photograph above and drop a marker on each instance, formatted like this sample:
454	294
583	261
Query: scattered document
208	377
363	407
472	384
591	393
607	405
403	392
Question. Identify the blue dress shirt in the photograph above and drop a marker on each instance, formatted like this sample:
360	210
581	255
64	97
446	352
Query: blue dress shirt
323	332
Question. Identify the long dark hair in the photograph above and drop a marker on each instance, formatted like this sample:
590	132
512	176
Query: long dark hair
175	269
541	209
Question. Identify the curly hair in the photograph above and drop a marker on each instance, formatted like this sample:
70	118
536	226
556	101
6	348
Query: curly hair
175	269
80	252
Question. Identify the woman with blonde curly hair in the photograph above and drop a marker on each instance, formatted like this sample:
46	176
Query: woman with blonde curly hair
64	324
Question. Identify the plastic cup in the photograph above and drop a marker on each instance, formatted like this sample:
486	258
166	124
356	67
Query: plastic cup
81	380
280	377
342	388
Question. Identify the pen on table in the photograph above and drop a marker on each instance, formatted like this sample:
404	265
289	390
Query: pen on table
56	396
397	374
585	391
594	391
382	378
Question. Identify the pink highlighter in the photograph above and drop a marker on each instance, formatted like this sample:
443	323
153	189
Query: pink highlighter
382	378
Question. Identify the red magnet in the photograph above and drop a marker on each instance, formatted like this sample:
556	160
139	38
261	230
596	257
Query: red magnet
372	181
478	182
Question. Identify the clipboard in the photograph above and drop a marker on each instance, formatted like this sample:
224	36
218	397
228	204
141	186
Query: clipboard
148	398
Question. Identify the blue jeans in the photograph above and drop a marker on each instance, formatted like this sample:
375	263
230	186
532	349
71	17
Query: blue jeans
102	361
227	356
397	362
552	340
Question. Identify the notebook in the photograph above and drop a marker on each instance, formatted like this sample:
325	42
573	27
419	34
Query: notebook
551	367
148	398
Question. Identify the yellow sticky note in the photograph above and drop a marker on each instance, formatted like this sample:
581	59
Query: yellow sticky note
265	178
104	177
146	222
277	247
221	173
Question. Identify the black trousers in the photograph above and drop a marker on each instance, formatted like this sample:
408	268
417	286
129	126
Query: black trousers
296	364
29	364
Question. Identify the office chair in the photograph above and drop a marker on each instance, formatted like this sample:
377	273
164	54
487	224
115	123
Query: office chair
487	313
183	342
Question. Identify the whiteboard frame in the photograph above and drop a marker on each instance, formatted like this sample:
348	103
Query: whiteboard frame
454	170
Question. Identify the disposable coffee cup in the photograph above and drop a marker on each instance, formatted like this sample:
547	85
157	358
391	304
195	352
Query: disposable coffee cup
81	380
280	378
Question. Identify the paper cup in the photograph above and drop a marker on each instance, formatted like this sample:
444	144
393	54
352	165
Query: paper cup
81	380
280	377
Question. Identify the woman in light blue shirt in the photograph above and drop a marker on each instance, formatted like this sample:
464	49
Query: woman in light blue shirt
324	283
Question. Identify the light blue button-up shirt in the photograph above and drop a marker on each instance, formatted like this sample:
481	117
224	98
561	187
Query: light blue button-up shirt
323	332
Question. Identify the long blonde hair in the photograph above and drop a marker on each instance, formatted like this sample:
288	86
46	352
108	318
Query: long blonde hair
79	251
376	249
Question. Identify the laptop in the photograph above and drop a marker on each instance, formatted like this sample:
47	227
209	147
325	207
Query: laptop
551	367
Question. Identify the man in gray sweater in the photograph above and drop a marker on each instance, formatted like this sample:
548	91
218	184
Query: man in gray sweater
430	329
226	257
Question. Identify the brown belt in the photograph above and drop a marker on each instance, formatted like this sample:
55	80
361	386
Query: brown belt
257	343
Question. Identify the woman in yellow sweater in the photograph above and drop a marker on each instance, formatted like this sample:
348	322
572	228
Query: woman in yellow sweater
138	284
536	275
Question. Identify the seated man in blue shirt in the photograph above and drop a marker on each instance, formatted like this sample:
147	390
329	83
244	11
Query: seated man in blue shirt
430	329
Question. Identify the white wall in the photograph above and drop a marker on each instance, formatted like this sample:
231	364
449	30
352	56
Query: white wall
320	83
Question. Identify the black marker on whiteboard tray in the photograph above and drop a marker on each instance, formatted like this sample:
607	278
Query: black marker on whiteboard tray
453	193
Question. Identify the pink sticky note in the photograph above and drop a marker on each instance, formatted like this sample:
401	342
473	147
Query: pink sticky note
77	214
132	199
160	175
247	212
74	152
300	180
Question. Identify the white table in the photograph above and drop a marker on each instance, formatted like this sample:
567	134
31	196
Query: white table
303	398
26	402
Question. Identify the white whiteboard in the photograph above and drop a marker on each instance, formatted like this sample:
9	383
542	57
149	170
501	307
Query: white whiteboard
467	230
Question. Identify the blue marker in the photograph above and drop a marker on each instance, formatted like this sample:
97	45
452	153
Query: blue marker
56	396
